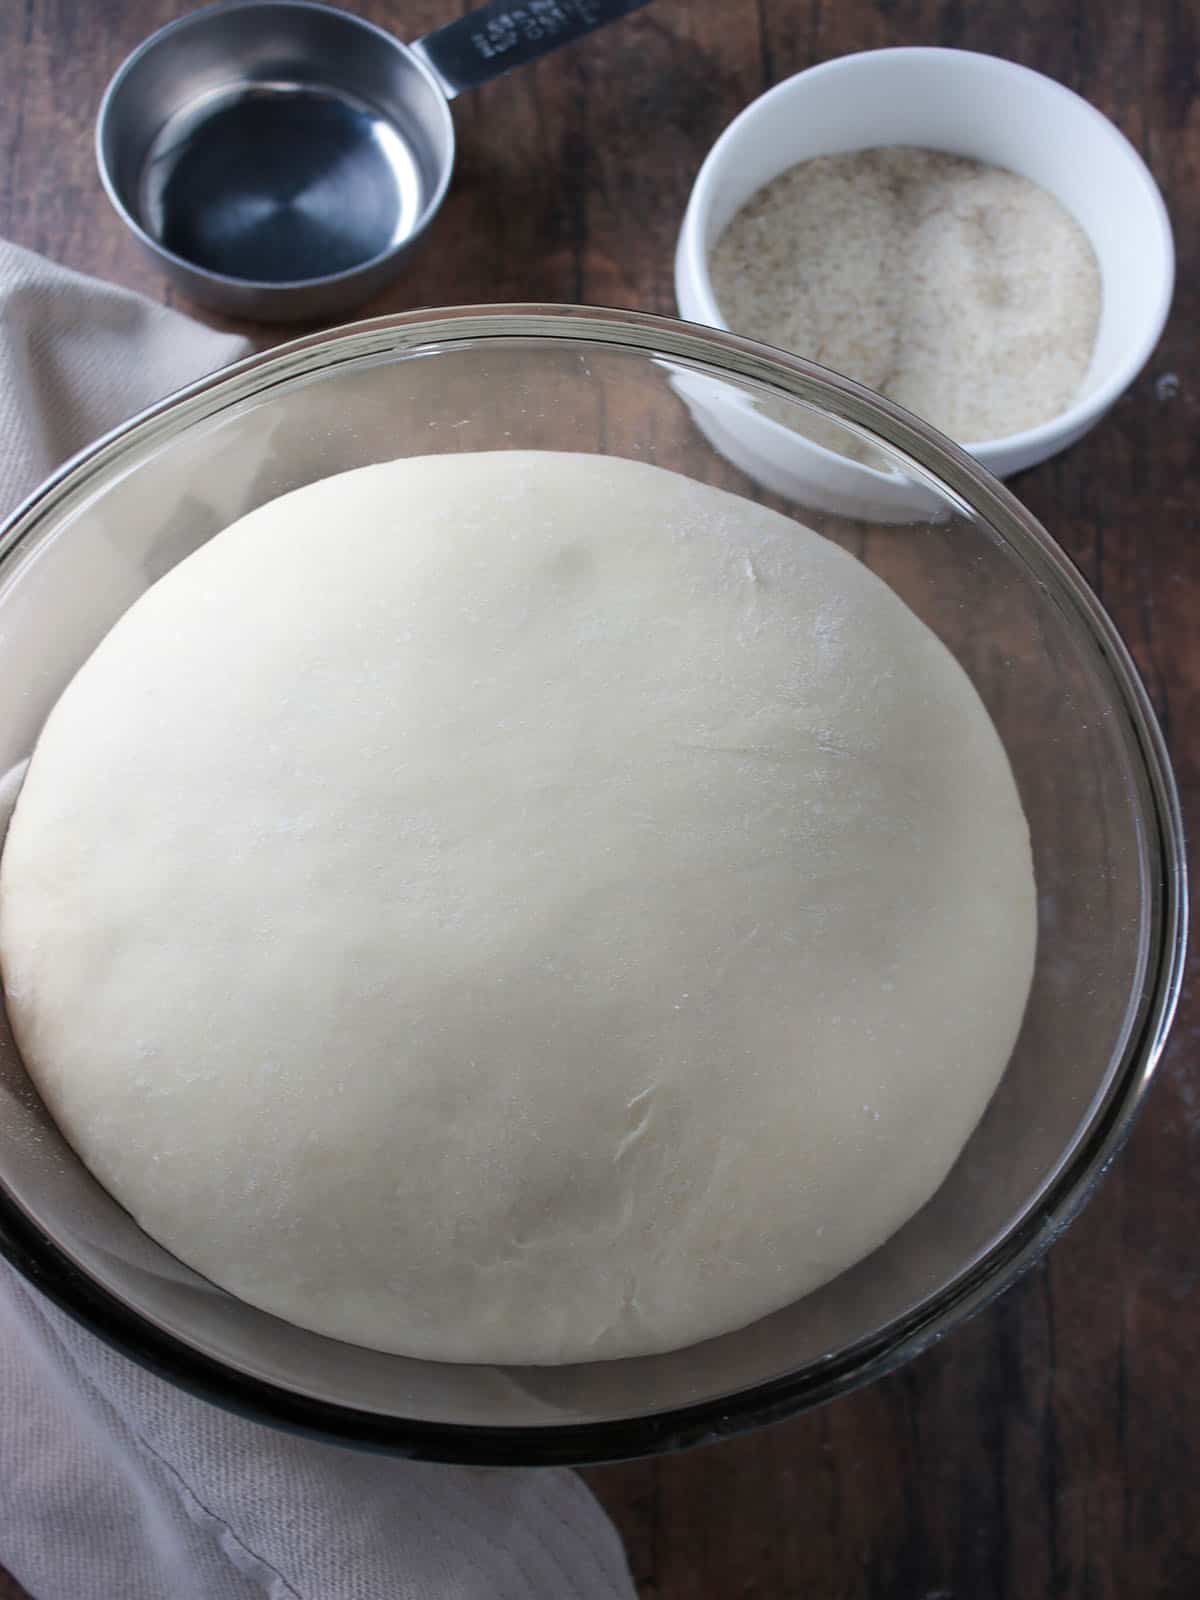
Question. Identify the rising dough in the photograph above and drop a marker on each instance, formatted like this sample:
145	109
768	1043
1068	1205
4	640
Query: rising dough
521	907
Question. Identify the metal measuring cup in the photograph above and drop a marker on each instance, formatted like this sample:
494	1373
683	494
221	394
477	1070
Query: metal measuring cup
280	158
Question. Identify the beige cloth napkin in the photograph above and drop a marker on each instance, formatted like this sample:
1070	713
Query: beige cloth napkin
114	1485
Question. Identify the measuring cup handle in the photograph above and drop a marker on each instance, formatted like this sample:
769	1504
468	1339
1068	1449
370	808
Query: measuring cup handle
500	36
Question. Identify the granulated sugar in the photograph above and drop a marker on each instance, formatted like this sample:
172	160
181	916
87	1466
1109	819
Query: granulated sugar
960	290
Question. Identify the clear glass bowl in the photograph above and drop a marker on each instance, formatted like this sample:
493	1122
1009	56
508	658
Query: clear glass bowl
1087	754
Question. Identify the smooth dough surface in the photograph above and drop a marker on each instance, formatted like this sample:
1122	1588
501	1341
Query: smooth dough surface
519	907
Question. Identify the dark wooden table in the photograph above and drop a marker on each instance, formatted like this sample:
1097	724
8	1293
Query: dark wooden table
1052	1446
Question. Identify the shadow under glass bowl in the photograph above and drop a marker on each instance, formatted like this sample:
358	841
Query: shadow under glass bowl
1080	734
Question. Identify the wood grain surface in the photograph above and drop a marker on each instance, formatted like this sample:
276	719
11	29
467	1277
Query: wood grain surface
1052	1446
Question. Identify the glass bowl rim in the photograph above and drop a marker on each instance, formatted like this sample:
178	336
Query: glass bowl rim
715	352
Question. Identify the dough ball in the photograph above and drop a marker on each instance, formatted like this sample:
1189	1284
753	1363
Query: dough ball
518	907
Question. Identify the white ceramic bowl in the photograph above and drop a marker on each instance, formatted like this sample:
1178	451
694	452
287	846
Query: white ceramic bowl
971	105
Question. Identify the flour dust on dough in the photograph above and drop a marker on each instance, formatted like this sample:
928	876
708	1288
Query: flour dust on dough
518	907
